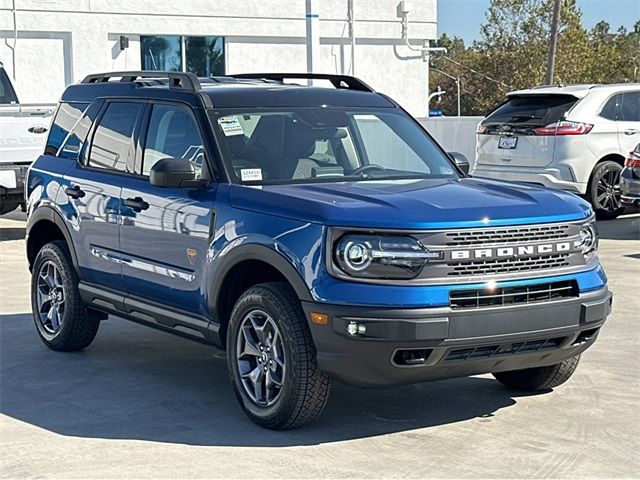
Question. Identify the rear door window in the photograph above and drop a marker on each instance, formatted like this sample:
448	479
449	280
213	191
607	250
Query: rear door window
629	109
531	110
113	146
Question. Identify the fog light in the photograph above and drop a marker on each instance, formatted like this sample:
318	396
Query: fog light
355	328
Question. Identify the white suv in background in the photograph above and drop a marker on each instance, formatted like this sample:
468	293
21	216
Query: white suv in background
573	137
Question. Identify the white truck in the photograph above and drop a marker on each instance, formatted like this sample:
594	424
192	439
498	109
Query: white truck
23	132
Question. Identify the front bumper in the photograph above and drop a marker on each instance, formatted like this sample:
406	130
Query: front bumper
551	177
12	179
454	342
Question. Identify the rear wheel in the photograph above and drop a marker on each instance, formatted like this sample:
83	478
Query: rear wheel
539	378
272	359
62	321
604	190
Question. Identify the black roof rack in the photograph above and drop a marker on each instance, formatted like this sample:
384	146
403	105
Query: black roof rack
181	80
338	81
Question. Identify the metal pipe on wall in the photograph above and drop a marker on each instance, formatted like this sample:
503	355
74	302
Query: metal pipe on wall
352	36
313	37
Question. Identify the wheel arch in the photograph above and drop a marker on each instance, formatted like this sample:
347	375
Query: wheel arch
243	267
43	226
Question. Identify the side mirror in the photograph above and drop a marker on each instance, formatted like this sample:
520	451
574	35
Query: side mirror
461	161
174	173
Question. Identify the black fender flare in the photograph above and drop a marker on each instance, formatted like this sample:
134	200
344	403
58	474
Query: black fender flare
47	213
254	251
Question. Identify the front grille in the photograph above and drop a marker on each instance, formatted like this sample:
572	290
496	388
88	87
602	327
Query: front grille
508	235
507	265
488	351
502	296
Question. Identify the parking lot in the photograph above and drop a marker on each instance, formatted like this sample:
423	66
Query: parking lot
141	403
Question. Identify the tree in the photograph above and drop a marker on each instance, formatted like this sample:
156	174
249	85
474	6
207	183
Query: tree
511	54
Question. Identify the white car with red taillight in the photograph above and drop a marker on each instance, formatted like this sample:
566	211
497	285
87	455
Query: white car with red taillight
573	137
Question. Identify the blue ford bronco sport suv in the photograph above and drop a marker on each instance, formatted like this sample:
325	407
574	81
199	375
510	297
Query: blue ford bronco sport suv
313	232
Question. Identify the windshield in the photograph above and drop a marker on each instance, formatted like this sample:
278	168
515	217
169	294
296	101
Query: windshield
316	144
7	94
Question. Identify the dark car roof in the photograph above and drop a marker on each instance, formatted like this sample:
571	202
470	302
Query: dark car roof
228	92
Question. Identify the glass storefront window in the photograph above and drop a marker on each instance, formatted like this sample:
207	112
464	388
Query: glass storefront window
203	56
161	52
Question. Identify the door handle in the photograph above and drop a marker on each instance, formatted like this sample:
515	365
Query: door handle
74	192
136	204
631	131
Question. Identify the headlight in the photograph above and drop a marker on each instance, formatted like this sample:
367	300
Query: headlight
588	239
381	256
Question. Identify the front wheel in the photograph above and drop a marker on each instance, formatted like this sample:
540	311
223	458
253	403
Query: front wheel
604	190
272	359
539	378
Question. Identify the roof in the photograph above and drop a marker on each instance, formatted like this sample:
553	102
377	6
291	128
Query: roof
243	91
577	90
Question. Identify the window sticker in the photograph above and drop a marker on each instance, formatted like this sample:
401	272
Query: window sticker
250	174
230	126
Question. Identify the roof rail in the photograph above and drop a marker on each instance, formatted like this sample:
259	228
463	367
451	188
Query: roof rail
181	80
338	81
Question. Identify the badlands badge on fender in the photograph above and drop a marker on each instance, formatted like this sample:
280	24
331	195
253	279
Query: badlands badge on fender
191	255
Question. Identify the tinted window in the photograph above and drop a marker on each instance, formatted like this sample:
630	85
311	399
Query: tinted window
7	94
68	131
610	109
112	147
629	109
532	110
203	56
173	133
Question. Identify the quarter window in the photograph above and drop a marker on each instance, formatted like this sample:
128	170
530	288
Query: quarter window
113	147
173	133
68	131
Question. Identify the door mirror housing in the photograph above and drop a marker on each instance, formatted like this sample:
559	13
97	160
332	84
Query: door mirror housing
461	161
174	173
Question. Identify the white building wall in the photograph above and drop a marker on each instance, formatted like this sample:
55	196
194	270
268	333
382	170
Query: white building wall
61	41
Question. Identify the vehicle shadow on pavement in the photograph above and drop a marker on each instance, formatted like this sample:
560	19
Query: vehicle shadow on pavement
8	234
625	227
137	383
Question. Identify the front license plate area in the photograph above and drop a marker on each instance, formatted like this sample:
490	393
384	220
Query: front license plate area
507	143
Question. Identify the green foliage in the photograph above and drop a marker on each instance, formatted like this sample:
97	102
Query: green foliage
512	53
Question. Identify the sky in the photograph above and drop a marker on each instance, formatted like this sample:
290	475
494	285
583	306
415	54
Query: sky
464	17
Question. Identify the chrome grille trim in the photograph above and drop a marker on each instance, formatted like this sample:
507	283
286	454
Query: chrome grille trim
508	265
528	234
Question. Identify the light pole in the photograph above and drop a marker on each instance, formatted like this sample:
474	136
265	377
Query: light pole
455	79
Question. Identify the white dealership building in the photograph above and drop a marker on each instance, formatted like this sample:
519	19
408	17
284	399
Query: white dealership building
47	44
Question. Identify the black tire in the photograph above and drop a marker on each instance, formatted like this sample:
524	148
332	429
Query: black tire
539	378
604	190
77	327
305	389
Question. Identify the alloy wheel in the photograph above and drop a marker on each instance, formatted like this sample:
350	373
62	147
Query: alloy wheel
608	190
50	297
260	358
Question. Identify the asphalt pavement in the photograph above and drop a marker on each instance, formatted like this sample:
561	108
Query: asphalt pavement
139	403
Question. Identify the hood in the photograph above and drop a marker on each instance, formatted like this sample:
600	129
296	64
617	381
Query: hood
413	204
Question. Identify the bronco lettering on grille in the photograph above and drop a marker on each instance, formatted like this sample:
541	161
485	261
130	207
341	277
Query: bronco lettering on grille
509	252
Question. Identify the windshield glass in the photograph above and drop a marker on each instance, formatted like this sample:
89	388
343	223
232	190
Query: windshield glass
7	94
316	144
